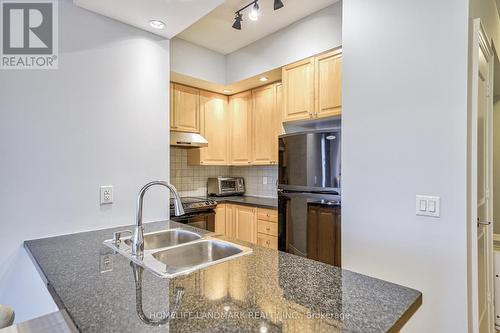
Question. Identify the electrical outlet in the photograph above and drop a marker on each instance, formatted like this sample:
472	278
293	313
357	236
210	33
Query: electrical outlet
264	180
106	195
426	205
106	263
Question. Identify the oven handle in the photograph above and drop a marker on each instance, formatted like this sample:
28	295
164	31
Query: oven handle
191	215
331	197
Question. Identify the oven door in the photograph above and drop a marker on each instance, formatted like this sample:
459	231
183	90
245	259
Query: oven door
200	220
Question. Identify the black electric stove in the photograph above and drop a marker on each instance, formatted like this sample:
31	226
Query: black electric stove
199	212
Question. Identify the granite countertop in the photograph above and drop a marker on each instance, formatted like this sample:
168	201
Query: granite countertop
248	201
266	291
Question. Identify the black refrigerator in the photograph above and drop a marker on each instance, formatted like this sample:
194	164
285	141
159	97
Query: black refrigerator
309	195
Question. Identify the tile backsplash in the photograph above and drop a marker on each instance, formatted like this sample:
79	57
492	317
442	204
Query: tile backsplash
192	180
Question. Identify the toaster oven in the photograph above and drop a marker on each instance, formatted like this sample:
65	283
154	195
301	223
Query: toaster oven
222	186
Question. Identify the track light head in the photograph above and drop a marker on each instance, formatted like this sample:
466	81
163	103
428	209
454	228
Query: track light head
278	4
237	21
254	12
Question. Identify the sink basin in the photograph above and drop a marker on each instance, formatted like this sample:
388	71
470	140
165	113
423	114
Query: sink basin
169	238
196	254
190	257
175	252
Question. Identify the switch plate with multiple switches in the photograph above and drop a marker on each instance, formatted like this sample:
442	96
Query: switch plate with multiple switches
106	195
428	205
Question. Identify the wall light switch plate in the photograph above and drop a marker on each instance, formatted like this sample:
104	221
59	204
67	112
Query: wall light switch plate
106	195
426	205
264	180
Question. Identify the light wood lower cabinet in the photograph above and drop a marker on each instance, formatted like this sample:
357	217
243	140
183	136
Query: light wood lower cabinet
220	219
247	223
271	242
214	119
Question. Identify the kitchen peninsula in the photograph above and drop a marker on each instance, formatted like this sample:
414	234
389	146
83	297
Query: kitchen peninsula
266	291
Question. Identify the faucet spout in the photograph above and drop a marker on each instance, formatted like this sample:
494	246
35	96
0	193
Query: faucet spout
138	238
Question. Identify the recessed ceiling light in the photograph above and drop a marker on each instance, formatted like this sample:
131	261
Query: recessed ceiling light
263	79
157	24
227	91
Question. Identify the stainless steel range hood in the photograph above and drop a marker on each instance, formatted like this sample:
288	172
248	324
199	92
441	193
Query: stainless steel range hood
187	140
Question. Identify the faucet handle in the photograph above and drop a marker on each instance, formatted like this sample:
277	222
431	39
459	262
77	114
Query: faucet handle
117	235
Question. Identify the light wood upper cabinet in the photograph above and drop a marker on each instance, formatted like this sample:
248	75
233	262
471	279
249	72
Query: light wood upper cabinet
214	126
298	92
279	110
328	80
264	118
245	221
185	109
312	88
240	128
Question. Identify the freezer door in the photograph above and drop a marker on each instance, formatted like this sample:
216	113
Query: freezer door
310	161
309	226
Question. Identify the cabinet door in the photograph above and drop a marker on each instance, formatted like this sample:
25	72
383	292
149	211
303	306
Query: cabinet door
220	219
240	129
245	219
214	119
230	222
298	90
328	81
186	109
279	109
323	234
271	242
264	142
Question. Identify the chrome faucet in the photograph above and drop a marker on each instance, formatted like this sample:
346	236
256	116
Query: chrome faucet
138	238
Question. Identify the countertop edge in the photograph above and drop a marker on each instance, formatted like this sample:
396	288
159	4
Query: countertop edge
405	317
240	201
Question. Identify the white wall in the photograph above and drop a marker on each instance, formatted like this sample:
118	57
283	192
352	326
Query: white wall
100	119
405	133
196	61
313	34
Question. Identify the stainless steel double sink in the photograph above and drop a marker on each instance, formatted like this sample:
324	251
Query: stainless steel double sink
173	252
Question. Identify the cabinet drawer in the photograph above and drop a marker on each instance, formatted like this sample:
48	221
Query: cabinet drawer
270	242
268	228
270	215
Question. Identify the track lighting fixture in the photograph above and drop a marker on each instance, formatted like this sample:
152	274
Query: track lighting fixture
237	21
254	13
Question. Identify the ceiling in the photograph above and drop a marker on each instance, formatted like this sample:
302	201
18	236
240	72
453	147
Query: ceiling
215	32
230	89
176	14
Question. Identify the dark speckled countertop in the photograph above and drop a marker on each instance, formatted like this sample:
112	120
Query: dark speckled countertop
248	201
266	291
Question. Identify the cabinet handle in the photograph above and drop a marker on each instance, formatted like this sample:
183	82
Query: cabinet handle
268	243
268	229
